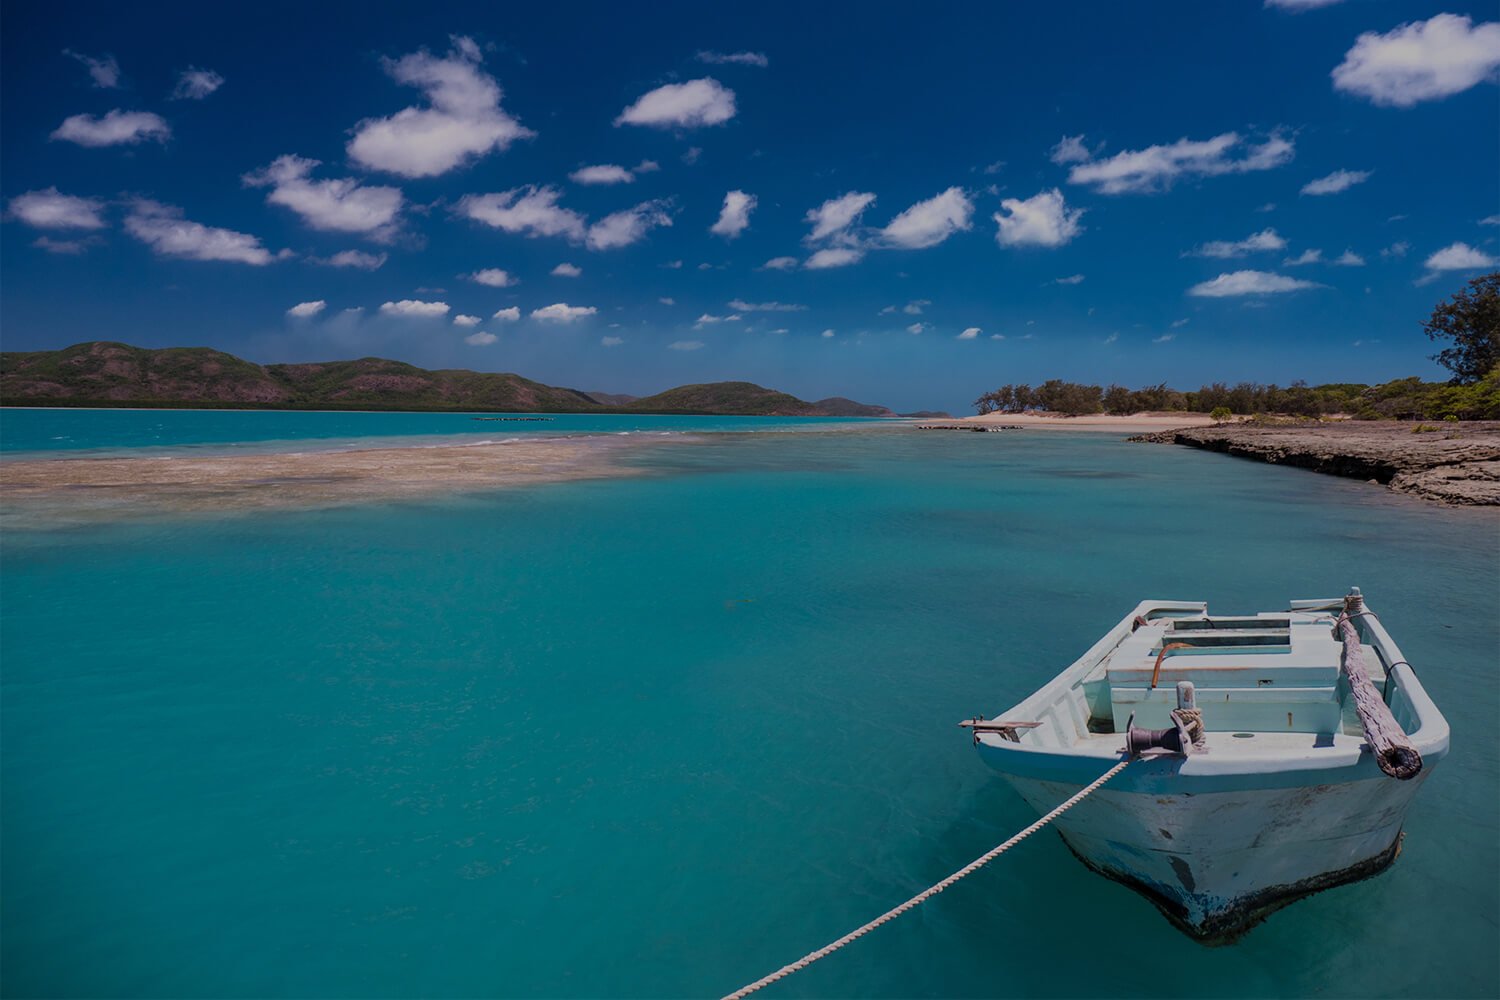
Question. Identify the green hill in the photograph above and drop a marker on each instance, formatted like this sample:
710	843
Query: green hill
729	398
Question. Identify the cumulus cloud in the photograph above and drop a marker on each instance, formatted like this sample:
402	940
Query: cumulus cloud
621	229
827	334
481	339
166	232
611	341
304	310
681	105
1397	249
972	333
832	219
357	259
462	320
51	209
1301	5
1460	257
529	210
414	309
1349	259
508	315
1305	257
1072	279
709	320
740	305
566	270
779	264
494	277
734	59
70	247
1155	168
604	173
195	84
340	205
1266	239
1043	220
1164	338
834	257
462	121
930	222
734	217
916	328
561	312
1070	149
915	306
104	71
1339	180
1420	61
685	345
116	128
1249	283
1491	220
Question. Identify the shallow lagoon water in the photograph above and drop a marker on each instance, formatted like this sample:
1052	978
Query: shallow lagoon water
657	736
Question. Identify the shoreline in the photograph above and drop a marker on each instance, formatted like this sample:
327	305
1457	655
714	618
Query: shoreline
1135	423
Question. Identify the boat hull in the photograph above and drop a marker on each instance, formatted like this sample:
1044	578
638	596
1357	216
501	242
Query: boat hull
1217	862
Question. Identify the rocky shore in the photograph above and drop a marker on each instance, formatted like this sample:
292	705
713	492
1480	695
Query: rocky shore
1444	462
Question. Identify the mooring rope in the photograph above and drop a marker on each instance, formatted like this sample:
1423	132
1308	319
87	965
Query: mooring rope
926	894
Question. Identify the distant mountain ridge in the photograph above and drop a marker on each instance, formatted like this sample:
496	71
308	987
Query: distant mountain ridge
105	373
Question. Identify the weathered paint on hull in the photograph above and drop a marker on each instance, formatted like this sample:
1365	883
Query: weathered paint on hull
1216	863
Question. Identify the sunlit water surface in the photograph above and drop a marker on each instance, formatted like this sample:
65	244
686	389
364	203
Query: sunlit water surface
658	736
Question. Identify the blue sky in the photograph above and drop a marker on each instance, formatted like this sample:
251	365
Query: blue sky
907	205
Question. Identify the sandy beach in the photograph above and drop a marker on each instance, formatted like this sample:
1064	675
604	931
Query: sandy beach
1135	423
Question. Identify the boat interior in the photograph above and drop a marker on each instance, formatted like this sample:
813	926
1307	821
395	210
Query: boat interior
1255	677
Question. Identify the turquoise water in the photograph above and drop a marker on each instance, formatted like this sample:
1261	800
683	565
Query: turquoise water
26	432
658	736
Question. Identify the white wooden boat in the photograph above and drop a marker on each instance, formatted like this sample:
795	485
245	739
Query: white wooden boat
1285	795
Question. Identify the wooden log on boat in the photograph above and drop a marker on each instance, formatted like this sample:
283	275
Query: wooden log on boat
1393	750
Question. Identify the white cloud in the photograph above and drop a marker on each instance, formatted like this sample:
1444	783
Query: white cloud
1156	167
1349	259
1421	61
509	315
561	312
1112	338
691	156
1043	220
647	167
666	301
104	71
740	305
481	339
734	58
685	345
1001	336
462	320
972	333
338	206
1397	249
530	210
463	121
611	341
1072	279
1266	239
673	265
356	259
1164	338
165	231
51	209
1306	257
1248	283
682	105
414	308
916	328
1490	220
1460	257
734	217
604	173
709	320
779	264
303	310
566	270
914	307
116	128
827	334
1176	323
621	229
494	277
834	257
71	247
195	84
1296	6
930	222
832	219
1339	180
1070	149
